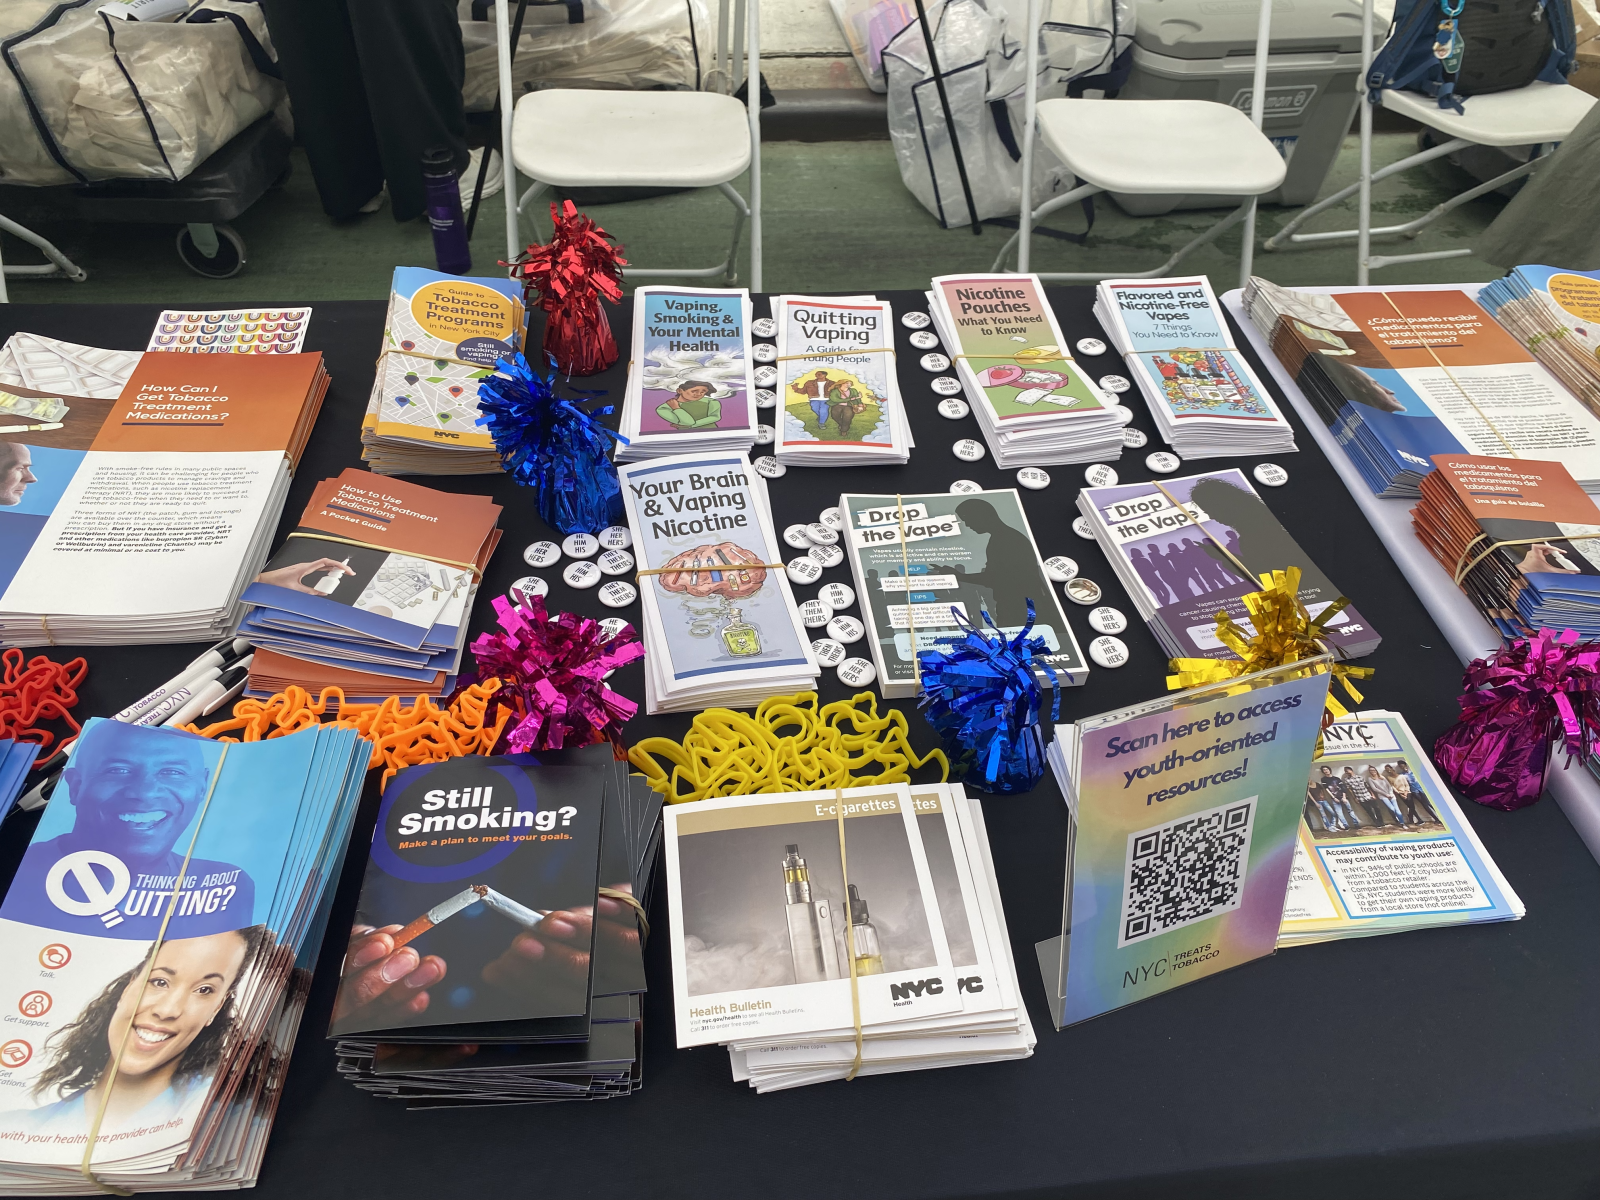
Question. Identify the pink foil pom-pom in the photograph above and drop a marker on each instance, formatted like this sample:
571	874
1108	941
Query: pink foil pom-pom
552	672
1515	703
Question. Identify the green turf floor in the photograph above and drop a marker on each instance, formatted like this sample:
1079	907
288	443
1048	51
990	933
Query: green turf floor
837	219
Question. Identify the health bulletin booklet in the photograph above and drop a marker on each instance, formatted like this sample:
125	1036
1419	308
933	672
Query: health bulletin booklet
1174	552
1520	536
1400	376
689	382
1383	846
720	625
1185	816
443	335
1202	394
838	390
141	518
968	553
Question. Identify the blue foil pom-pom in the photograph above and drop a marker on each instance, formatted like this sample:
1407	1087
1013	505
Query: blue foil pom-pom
553	446
982	695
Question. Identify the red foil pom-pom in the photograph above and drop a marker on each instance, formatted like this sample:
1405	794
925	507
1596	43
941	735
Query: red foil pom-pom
567	277
552	673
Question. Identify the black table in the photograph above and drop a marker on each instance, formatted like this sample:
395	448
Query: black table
1455	1062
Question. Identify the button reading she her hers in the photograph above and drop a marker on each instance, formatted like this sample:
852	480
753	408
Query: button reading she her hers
829	653
925	339
770	468
765	377
964	487
1082	591
795	535
821	534
531	586
1163	463
765	435
1270	474
1081	527
827	556
1108	652
1100	475
847	631
580	545
953	408
814	614
1091	346
618	594
764	327
968	450
763	352
832	517
1132	438
837	596
934	363
615	537
766	398
945	385
542	554
1033	479
915	319
1060	568
1107	620
615	562
856	672
1114	383
581	574
803	570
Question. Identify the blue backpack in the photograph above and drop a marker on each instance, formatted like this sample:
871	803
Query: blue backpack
1451	49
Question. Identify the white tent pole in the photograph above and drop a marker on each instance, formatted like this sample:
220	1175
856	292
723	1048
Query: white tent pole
1258	105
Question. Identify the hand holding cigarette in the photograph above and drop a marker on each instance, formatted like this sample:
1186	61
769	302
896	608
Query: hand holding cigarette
561	942
377	971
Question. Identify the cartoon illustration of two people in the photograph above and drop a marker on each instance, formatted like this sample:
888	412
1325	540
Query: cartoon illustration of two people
837	398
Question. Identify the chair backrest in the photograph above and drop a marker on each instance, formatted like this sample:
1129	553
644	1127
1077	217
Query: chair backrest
1487	46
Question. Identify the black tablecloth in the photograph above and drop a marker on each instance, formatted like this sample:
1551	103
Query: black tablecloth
1456	1062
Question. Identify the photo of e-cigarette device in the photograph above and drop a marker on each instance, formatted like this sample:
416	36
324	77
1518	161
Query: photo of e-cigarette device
811	941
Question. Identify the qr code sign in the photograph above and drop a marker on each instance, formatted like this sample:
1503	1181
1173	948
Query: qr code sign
1186	870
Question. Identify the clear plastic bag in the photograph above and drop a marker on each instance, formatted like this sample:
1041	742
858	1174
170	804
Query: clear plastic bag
868	27
86	96
982	59
625	44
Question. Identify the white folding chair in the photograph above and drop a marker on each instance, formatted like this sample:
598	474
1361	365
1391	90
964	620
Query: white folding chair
1149	147
1538	115
575	138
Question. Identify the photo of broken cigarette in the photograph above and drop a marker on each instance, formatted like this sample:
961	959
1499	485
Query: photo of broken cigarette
444	910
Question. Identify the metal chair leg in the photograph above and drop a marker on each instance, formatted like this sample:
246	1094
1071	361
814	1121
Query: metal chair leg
728	267
1210	235
59	263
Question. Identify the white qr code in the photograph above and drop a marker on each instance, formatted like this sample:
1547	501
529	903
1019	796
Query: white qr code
1185	870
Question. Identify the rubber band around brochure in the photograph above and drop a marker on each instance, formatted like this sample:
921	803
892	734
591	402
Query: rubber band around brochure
1461	572
849	934
1189	516
86	1166
1450	375
905	567
696	570
444	358
632	902
834	353
477	572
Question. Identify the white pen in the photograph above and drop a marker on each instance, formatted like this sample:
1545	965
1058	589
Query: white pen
219	655
215	694
192	685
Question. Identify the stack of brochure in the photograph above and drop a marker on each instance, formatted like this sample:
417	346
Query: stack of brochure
928	565
1189	547
141	519
1521	539
443	334
163	1040
838	390
16	760
720	625
1383	846
1551	312
1203	396
1400	376
533	940
48	365
786	922
689	385
373	590
1034	404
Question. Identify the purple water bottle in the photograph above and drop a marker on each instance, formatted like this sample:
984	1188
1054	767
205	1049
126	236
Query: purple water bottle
443	194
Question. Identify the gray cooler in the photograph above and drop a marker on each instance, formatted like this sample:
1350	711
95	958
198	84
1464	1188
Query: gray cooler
1205	50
